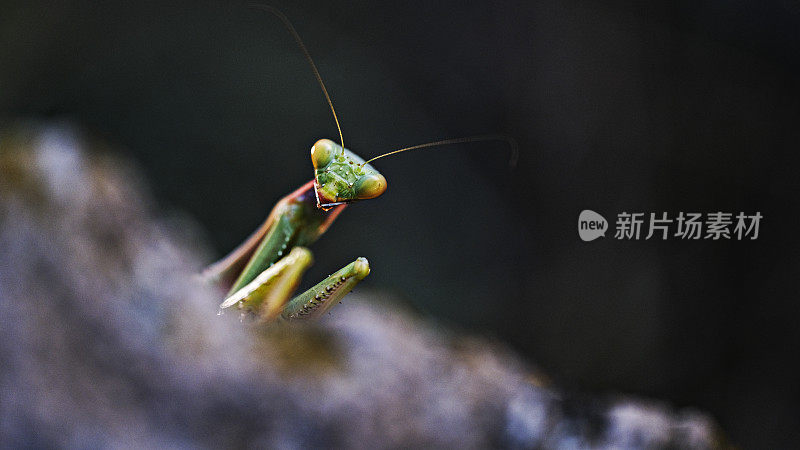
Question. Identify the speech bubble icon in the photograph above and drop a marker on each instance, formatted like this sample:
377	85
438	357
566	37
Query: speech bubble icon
591	225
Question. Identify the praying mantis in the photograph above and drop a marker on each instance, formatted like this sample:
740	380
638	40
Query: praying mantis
264	271
272	261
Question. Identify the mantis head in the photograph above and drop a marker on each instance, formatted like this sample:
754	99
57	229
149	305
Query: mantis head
341	175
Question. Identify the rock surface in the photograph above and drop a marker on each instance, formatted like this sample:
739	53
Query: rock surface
108	338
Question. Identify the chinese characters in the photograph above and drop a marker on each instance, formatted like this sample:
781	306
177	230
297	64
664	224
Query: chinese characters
713	226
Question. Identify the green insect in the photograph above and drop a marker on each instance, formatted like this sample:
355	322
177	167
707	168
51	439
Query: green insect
264	271
270	263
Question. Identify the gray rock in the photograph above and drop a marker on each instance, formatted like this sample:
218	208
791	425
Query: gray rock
109	339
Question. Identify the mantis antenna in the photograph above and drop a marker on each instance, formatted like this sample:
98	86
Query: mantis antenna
512	161
288	24
302	46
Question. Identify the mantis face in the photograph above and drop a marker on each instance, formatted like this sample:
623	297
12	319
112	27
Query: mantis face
341	175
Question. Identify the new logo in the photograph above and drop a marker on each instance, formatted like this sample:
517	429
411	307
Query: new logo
591	225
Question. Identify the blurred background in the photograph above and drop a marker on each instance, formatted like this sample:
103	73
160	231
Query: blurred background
617	106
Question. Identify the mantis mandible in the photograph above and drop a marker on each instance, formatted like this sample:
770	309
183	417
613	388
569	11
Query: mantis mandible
264	271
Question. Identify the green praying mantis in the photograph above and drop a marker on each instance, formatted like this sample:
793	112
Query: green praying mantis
263	272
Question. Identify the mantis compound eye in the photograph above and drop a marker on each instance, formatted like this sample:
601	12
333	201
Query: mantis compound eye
369	186
322	153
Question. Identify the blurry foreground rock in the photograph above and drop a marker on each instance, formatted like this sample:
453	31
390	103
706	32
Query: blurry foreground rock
108	339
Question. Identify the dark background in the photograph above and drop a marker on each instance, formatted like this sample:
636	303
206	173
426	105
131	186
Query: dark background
618	106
